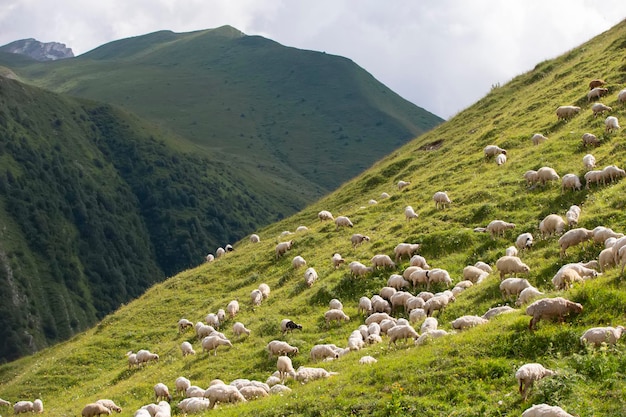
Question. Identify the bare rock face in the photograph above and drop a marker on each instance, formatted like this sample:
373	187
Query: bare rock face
39	51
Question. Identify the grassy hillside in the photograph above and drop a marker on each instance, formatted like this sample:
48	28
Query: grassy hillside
278	112
465	374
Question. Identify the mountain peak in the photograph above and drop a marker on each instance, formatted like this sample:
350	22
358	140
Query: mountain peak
39	51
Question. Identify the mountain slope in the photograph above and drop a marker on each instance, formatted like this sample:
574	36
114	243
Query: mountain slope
467	374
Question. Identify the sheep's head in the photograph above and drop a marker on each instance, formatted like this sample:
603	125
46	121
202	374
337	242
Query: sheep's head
575	307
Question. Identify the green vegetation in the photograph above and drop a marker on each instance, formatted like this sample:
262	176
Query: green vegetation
466	374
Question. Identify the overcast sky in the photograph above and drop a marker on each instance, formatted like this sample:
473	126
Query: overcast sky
442	55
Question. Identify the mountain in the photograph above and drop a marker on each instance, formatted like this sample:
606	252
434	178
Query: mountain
39	51
468	373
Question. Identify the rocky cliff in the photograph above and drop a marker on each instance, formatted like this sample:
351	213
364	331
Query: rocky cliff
39	51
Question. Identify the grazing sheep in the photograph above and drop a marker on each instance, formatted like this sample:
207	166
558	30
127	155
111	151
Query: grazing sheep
566	112
254	238
372	202
594	176
547	174
239	328
212	320
419	261
531	177
182	384
233	308
282	248
599	108
184	324
552	224
409	213
93	410
194	391
301	229
337	260
589	161
377	318
357	269
538	138
298	261
211	343
496	311
485	267
305	374
527	295
573	215
366	360
611	173
596	92
253	392
400	298
583	271
513	286
325	351
278	347
187	349
437	275
574	237
365	306
144	356
358	239
524	241
606	259
474	274
110	404
397	282
466	322
222	393
590	139
335	303
194	405
611	124
598	335
498	227
549	308
279	389
570	181
219	252
493	150
405	249
441	199
325	215
37	406
256	297
432	334
285	368
342	221
438	303
287	325
401	332
265	290
310	276
500	159
383	261
511	265
621	96
527	374
384	195
203	330
545	410
161	392
209	258
511	251
429	325
403	184
336	315
596	83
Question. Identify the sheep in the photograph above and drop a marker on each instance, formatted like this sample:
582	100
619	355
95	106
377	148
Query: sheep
572	215
161	392
511	265
287	325
531	177
397	282
193	405
621	96
420	261
527	374
407	249
493	150
372	202
598	335
212	320
544	410
310	276
203	330
611	124
256	297
337	260
4	403
465	322
570	181
358	269
524	241
538	138
278	347
336	315
401	332
377	318
438	275
211	343
496	311
384	195
27	406
182	384
342	221
400	298
409	213
590	139
560	281
427	336
596	92
132	360
282	248
265	290
485	267
355	341
599	108
611	173
252	392
297	262
184	324
223	394
429	325
416	315
280	389
438	303
527	294
232	308
425	295
194	391
566	112
606	259
37	406
144	356
187	349
285	368
365	306
547	174
500	159
574	237
94	409
403	184
239	328
254	238
383	261
301	229
110	404
367	360
358	239
552	224
596	83
498	227
547	308
589	162
513	286
305	374
387	324
320	352
285	233
511	251
325	215
441	199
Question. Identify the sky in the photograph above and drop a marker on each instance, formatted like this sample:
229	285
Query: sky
442	55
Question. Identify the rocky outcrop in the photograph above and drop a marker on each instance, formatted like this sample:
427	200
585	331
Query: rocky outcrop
39	51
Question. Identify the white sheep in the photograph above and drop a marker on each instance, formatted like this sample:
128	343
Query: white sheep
203	330
232	308
612	173
305	374
282	248
219	252
4	403
324	351
193	405
400	298
552	224
211	343
582	270
384	195
438	275
144	356
265	290
335	315
549	308
485	267
285	368
596	92
187	349
441	199
278	347
280	389
545	410
372	202
599	108
538	138
161	392
256	297
574	237
377	318
417	314
418	260
298	261
524	241
496	311
221	393
382	261
511	265
357	269
37	406
611	124
570	181
547	174
606	259
511	251
184	324
438	303
409	213
110	404
566	278
403	184
621	96
527	374
493	150
310	276
367	360
182	384
253	392
403	331
589	162
254	238
358	239
301	229
397	282
239	329
500	159
343	221
365	306
567	112
531	177
573	215
598	335
325	215
466	322
594	176
405	249
194	391
417	276
337	260
429	325
528	294
498	227
429	335
513	286
212	320
93	410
